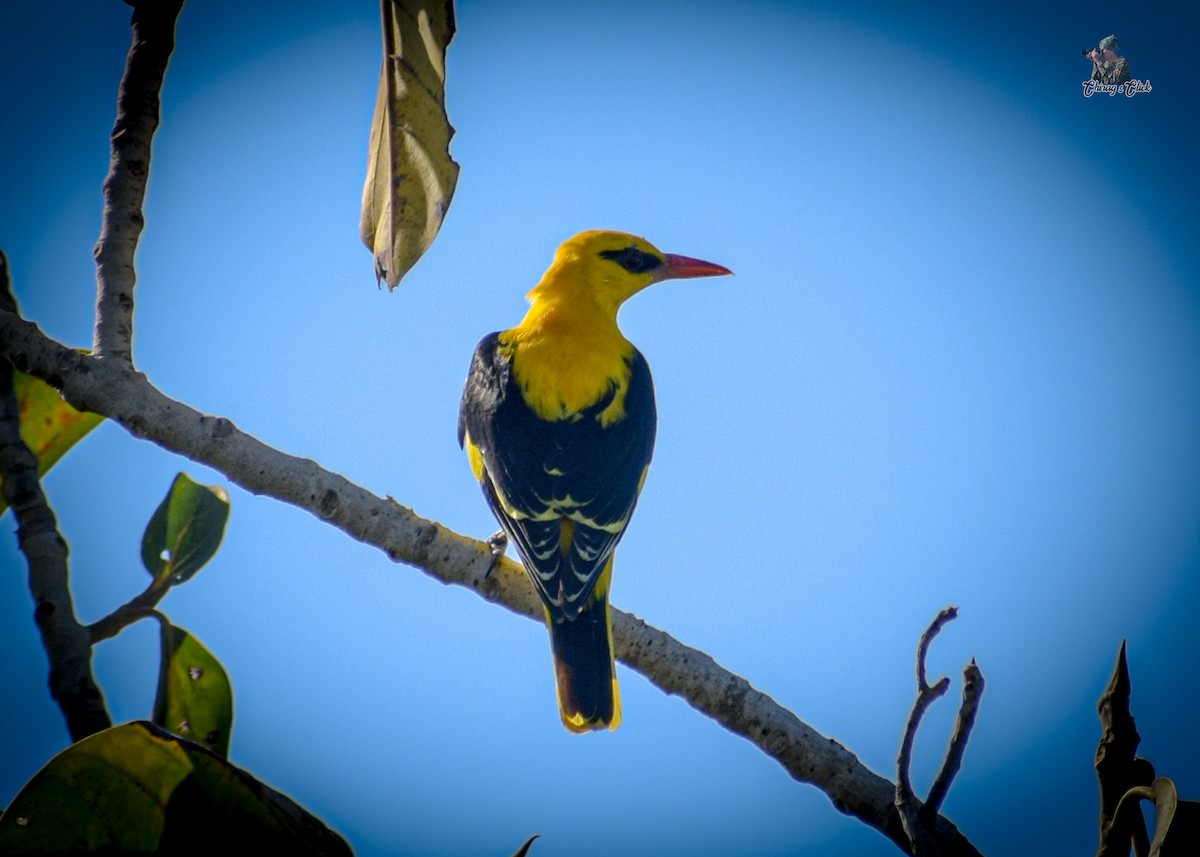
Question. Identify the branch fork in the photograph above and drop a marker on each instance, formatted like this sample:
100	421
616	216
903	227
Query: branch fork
917	817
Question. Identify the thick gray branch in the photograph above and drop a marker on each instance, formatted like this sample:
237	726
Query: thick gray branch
68	644
129	167
120	393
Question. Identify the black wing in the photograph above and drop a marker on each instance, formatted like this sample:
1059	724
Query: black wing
563	490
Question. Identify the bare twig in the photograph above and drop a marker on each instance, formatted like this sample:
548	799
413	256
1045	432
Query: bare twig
925	697
129	168
972	691
125	396
919	835
67	644
919	819
932	631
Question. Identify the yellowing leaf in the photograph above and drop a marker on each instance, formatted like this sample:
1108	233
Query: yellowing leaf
410	174
49	426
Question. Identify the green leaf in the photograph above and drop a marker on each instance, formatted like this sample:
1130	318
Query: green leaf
49	426
137	789
195	699
410	174
185	530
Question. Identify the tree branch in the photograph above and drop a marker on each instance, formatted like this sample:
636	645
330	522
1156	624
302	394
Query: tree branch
67	643
124	395
919	836
129	168
971	694
920	819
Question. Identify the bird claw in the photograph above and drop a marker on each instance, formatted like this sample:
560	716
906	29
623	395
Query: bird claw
498	544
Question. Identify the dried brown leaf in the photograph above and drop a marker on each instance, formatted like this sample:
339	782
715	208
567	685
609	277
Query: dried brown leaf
410	174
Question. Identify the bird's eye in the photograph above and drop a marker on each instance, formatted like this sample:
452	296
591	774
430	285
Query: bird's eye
633	260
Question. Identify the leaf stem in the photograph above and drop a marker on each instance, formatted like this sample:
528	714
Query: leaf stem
141	606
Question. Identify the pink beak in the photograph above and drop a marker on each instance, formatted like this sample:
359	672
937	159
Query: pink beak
682	267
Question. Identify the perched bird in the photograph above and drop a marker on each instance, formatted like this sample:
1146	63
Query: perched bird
558	422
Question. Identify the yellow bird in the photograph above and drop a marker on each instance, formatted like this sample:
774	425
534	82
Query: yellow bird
558	422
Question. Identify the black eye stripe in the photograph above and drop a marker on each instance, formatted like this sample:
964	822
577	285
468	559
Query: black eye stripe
633	260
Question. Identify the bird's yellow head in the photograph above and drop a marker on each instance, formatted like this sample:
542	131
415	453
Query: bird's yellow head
606	268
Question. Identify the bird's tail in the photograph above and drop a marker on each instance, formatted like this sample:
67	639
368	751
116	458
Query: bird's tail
583	665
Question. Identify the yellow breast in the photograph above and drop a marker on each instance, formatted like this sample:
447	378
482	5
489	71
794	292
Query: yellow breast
563	369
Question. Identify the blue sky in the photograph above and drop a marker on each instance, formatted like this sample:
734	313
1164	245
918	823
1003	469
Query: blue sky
959	363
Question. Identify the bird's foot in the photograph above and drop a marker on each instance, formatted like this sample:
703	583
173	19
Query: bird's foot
498	543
